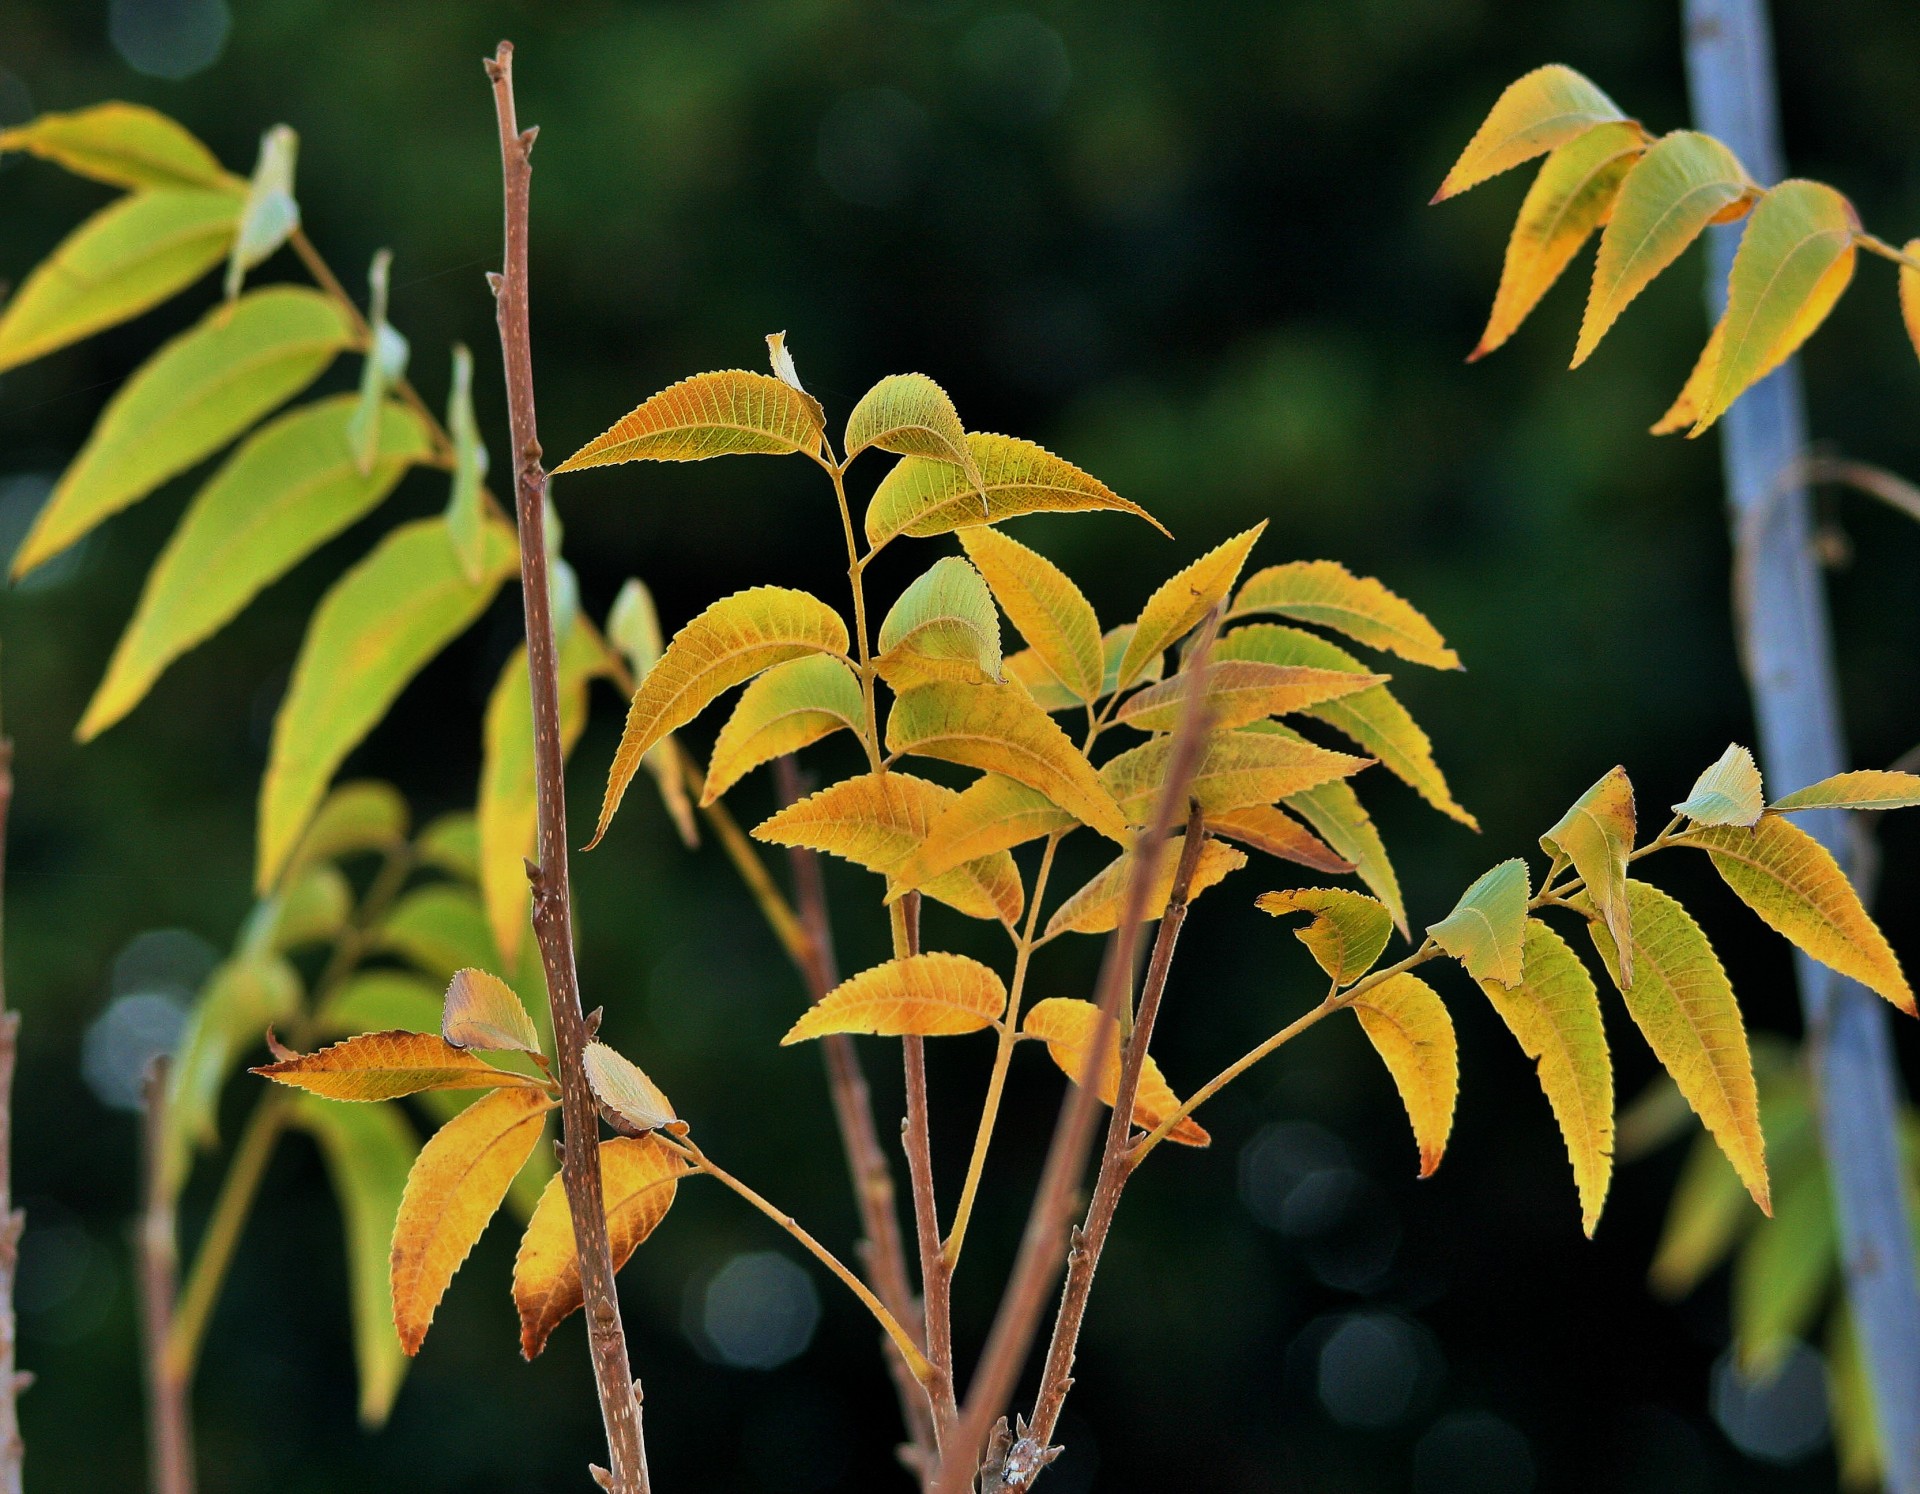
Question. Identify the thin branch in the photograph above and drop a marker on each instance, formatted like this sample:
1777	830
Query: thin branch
936	1275
13	1222
169	1419
552	898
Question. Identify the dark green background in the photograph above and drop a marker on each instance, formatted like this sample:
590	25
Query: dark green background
1187	246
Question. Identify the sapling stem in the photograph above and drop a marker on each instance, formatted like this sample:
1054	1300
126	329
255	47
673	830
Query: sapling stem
169	1417
13	1222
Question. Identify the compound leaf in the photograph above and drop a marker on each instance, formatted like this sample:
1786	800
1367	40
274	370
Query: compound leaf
1596	835
924	995
1346	931
1327	594
123	145
1179	602
1538	111
990	815
1096	907
1043	603
1335	810
1487	929
387	1065
1408	1025
943	628
708	415
789	707
1069	1028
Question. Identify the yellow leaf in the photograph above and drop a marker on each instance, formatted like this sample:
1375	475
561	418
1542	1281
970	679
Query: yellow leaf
386	1065
1682	1003
1327	594
1798	889
123	145
708	415
943	628
1237	769
729	643
1045	687
638	1178
1487	929
1728	793
1042	602
1865	788
1596	835
910	415
482	1011
1068	1027
789	707
1268	828
1408	1025
999	729
1910	294
1336	812
921	497
456	1185
990	815
1685	408
1543	109
1346	931
924	995
1554	1014
1179	602
1239	691
1096	907
619	1084
1571	197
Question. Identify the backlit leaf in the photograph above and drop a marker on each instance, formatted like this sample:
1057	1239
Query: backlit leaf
633	627
1179	602
1728	793
1268	828
1327	594
1408	1025
619	1085
241	999
271	212
384	366
943	627
482	1011
925	995
455	1187
1346	931
365	815
787	708
1910	295
1487	929
729	643
1784	1275
1096	907
1042	602
1069	1028
1596	835
1239	691
910	415
123	145
708	415
439	929
386	1065
1237	769
1337	813
1864	788
1685	408
1706	1218
990	815
380	1001
375	629
1545	108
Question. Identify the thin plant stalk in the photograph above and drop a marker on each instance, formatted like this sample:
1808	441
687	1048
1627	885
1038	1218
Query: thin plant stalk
13	1222
169	1415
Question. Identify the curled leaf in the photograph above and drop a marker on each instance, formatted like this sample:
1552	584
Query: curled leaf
482	1011
1346	931
1596	835
1069	1027
1728	793
1486	931
619	1085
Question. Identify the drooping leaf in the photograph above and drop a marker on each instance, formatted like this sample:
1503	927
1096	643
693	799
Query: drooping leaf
1346	931
1327	594
1865	788
1487	929
1179	602
1043	603
365	815
1239	691
924	995
729	643
1096	907
1571	197
271	212
289	488
189	399
1728	793
1069	1028
789	707
384	366
638	1177
1596	835
1237	769
1554	1014
910	415
1910	295
943	628
123	145
1269	828
1783	1276
1799	890
633	627
455	1187
379	1001
620	1085
132	254
708	415
482	1011
1685	408
999	729
1543	109
466	500
439	929
1408	1025
387	1065
1682	1003
992	814
921	497
1685	181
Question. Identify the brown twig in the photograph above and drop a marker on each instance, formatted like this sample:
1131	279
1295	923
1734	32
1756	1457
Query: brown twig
936	1276
169	1419
12	1221
552	900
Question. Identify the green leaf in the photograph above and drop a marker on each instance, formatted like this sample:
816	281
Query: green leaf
1183	599
1327	594
944	627
1487	929
439	929
286	490
365	815
466	503
1864	789
384	366
130	255
123	145
1728	793
188	400
380	1001
1040	600
789	707
1346	932
1784	1275
374	630
910	415
452	843
1596	835
271	214
1538	111
1706	1218
708	415
310	907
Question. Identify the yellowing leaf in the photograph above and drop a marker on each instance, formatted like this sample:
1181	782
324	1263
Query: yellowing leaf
482	1011
1179	602
633	627
1374	717
910	415
943	627
925	995
921	497
1346	931
1069	1028
123	145
638	1178
1268	828
990	815
1798	889
708	415
1408	1025
999	729
1784	1276
1910	295
1487	929
1685	181
1045	687
374	630
1685	408
1042	602
730	642
1728	793
189	399
1554	1014
787	708
1327	594
289	488
1096	907
1596	835
386	1065
1237	769
1682	1003
365	815
1571	197
130	255
456	1185
619	1085
1865	788
1239	691
1545	108
1336	812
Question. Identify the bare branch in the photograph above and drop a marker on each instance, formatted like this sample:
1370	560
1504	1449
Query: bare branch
169	1418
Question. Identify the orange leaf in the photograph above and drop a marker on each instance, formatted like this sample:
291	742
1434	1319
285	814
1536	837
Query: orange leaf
1269	828
1096	907
1069	1027
386	1065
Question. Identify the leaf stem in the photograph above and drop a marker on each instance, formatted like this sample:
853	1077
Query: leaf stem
1875	245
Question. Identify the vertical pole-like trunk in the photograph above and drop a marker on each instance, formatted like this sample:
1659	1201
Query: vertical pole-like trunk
1783	622
12	1221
